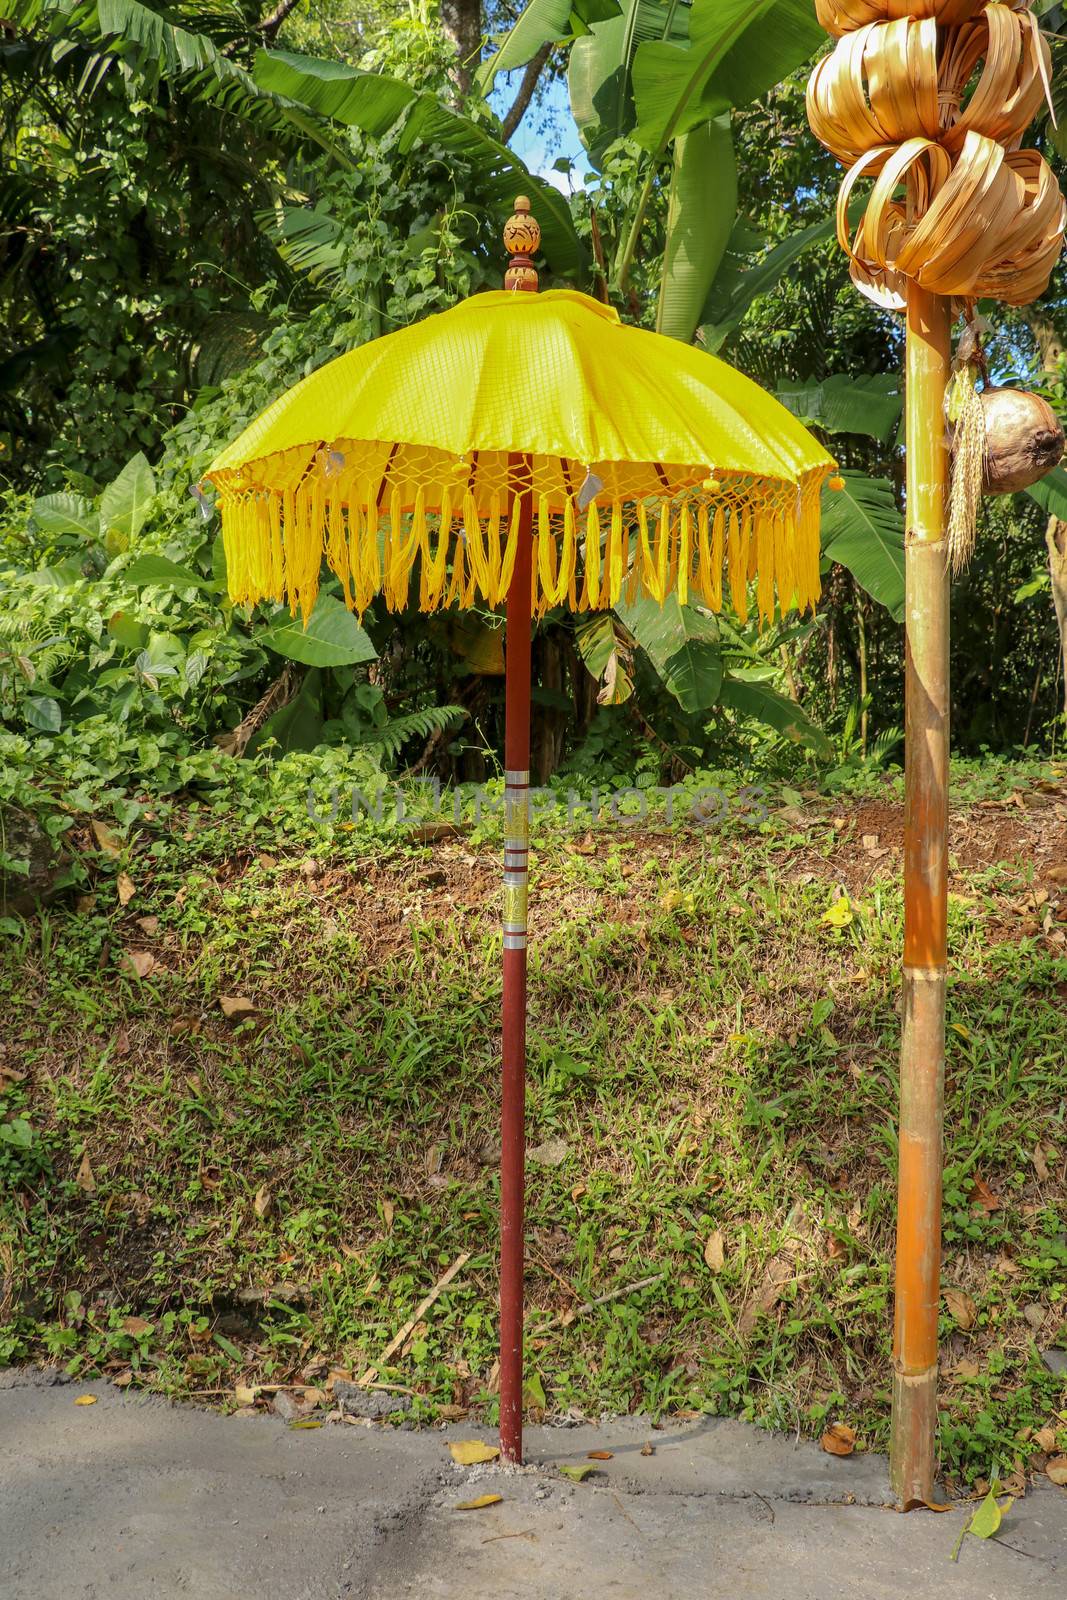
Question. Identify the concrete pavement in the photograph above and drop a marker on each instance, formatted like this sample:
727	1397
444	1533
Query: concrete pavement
133	1499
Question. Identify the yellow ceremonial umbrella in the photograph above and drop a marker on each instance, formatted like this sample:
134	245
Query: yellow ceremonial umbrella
529	450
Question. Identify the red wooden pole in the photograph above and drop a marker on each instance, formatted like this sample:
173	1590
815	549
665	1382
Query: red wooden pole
513	1088
522	236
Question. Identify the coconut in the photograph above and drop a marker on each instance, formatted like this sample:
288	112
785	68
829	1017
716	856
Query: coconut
1023	440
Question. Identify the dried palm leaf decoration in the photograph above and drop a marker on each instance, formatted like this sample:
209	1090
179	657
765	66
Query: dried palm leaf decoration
929	100
843	16
889	81
956	205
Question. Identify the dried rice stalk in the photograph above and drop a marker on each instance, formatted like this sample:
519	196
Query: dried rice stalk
963	404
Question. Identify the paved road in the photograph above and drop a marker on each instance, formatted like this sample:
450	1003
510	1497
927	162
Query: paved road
132	1499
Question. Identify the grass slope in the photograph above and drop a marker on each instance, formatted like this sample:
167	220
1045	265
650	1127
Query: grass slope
190	1200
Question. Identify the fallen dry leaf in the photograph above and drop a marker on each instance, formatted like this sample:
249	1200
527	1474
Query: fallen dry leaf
648	1450
126	888
85	1179
1045	1439
779	1270
469	1452
839	1439
962	1307
1040	1163
982	1195
139	962
1056	1469
148	925
245	1394
123	1380
85	1400
235	1008
136	1326
263	1201
108	842
600	1455
965	1369
482	1501
715	1251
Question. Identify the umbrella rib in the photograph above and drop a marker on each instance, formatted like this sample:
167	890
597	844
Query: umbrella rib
311	462
393	448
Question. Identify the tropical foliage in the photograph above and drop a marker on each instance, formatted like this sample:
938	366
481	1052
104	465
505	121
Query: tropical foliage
198	206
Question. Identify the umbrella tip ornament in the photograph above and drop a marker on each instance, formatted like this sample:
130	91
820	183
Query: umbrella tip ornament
522	236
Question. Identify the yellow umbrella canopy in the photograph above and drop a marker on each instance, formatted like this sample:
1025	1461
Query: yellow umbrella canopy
653	468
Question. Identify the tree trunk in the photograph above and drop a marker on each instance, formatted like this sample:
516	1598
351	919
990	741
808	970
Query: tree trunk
462	24
1056	539
525	93
550	724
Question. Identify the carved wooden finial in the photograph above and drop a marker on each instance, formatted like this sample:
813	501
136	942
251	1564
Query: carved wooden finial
522	236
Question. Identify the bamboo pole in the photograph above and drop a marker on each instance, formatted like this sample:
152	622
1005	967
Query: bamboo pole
922	1056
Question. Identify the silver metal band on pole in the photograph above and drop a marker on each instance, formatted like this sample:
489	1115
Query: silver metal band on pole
516	857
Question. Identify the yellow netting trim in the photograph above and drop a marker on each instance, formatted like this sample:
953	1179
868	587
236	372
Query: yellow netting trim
390	522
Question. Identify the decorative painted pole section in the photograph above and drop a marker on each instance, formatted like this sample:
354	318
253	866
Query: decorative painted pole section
522	237
926	758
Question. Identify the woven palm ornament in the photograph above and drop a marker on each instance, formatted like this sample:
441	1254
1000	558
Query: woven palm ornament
930	99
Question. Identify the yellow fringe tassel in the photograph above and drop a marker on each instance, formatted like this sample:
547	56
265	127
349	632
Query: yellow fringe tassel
568	557
591	592
615	555
507	565
764	547
275	541
684	541
455	591
492	536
